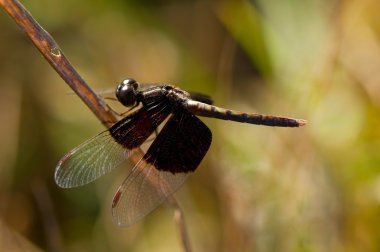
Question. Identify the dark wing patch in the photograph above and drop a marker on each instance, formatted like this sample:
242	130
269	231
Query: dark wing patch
181	144
133	130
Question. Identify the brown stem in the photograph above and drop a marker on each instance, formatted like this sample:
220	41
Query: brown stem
179	219
56	58
48	216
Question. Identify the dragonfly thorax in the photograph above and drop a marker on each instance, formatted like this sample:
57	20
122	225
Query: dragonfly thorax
177	97
126	92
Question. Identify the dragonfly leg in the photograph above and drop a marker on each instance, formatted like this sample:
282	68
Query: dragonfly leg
154	137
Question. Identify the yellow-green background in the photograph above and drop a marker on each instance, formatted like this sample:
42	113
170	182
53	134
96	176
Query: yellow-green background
315	188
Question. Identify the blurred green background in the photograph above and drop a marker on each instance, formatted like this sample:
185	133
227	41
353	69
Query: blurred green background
315	188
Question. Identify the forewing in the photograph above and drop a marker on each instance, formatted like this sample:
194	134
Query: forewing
110	148
135	128
89	161
144	189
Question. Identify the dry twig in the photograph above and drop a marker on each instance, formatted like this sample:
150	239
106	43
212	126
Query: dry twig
54	55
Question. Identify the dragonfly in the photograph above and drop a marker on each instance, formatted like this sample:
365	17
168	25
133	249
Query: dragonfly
176	151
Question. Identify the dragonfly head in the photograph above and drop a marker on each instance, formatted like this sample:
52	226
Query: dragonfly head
126	92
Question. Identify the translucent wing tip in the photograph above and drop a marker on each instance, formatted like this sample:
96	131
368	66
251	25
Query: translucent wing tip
142	191
89	161
121	216
60	179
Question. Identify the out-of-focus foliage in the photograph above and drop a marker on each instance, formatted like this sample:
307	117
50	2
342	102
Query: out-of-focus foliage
315	188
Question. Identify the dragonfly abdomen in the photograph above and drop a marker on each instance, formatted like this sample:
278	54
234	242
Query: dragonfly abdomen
202	109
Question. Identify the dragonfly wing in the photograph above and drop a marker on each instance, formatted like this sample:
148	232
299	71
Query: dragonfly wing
90	160
181	144
178	149
144	189
109	149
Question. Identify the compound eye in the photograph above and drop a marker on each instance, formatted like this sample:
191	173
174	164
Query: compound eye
126	92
